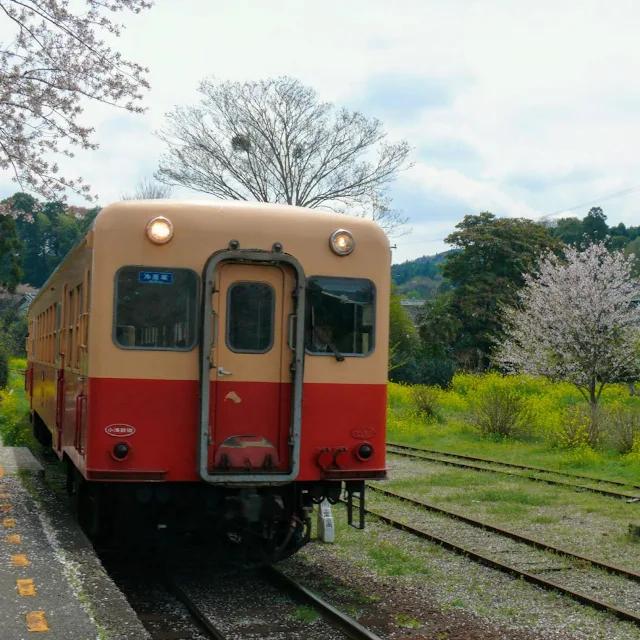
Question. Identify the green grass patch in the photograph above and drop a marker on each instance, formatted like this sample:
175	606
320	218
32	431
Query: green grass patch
542	519
304	613
403	620
391	560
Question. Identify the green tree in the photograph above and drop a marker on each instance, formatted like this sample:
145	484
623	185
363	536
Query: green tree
402	334
494	255
595	225
569	230
634	248
46	233
10	259
438	325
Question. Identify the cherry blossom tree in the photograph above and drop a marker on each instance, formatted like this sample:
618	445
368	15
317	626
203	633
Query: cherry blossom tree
52	60
578	321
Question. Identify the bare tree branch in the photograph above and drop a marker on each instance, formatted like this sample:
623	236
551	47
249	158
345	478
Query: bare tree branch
149	190
273	141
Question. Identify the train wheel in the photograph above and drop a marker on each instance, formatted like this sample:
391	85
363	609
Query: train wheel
88	506
40	431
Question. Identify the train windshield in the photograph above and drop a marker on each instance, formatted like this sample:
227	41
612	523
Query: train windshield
340	316
156	309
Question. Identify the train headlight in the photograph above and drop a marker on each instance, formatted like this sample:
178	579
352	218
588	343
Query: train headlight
342	242
160	230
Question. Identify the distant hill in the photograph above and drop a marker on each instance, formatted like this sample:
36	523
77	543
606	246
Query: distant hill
418	278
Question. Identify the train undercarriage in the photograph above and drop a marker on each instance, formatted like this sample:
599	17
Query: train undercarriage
246	527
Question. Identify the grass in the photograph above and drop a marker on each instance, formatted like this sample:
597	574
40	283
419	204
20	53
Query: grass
306	614
390	560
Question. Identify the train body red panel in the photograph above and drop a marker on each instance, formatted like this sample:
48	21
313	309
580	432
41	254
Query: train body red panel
234	352
162	411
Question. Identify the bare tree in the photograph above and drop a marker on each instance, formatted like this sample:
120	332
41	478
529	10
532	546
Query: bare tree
577	321
273	141
378	208
52	58
149	190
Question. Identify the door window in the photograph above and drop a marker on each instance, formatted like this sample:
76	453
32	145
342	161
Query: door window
250	317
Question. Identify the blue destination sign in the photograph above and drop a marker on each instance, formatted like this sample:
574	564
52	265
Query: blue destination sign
155	277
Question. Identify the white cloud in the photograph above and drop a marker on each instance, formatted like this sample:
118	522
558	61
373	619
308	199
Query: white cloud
542	89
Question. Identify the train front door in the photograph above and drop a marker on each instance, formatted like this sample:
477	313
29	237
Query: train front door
250	376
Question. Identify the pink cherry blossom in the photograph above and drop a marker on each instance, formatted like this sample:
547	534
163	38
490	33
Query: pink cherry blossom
52	59
578	321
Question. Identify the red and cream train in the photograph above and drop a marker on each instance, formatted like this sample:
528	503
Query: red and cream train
215	366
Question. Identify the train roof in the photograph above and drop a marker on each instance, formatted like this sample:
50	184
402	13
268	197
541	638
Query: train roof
244	208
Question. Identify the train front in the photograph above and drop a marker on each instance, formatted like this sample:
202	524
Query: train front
242	375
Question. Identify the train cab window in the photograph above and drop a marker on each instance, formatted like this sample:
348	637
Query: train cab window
156	308
340	316
250	317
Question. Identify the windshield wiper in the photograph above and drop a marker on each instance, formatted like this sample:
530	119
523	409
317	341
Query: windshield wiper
339	357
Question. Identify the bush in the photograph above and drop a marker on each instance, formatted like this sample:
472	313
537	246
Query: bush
426	400
500	411
582	426
623	428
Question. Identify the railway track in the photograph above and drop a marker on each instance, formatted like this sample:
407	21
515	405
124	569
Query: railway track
595	583
213	621
336	618
466	462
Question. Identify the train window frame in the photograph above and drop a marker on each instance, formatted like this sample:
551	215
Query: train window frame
374	320
228	313
197	305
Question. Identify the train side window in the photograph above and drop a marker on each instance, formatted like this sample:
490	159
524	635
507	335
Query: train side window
250	317
340	316
156	309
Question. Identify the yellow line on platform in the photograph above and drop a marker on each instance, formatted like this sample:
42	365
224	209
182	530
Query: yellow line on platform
26	587
20	560
36	621
14	538
8	523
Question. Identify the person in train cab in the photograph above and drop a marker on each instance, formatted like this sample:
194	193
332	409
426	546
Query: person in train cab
322	337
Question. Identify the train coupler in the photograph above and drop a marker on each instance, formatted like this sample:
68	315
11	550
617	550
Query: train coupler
355	491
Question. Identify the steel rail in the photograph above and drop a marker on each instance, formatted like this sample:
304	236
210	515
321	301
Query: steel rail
514	465
193	609
532	542
347	625
505	568
475	467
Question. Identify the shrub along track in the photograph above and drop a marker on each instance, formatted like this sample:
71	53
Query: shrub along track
465	462
512	569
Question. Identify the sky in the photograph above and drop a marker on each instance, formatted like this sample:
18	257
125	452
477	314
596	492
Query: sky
519	108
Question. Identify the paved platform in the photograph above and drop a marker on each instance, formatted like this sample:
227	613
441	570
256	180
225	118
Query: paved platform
51	582
14	459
